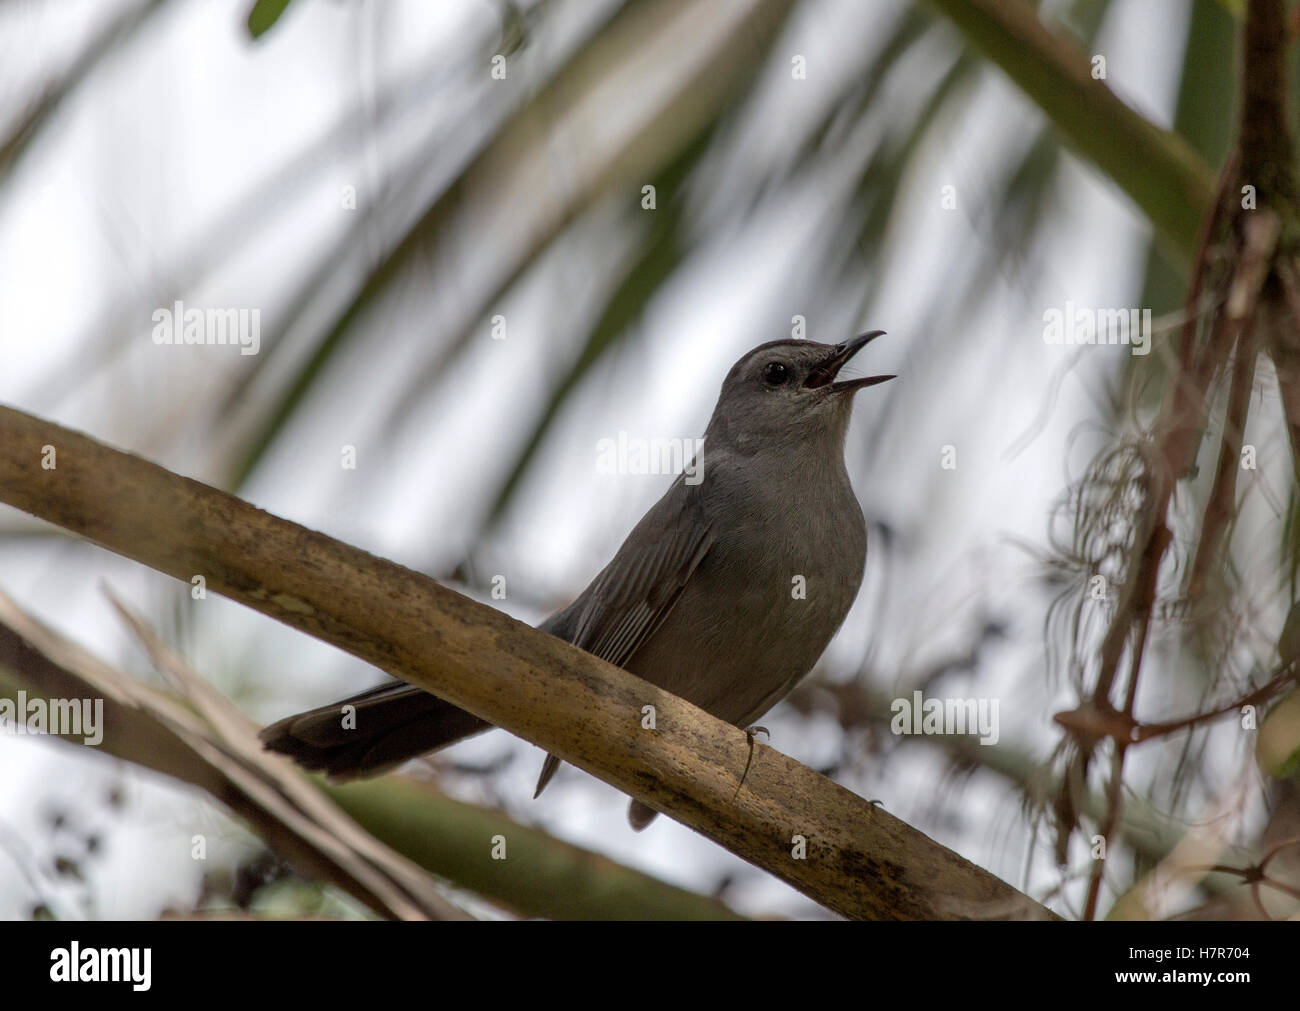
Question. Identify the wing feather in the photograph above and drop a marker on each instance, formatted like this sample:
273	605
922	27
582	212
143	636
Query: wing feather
629	600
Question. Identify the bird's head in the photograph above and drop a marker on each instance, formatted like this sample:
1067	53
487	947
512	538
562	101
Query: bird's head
788	392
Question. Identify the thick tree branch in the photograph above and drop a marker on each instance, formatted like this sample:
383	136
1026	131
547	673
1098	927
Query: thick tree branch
859	861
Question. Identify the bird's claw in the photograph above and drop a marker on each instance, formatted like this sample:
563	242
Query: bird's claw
749	737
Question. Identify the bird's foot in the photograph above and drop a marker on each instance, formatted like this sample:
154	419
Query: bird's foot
749	736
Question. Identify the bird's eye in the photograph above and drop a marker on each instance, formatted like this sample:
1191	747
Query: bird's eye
774	373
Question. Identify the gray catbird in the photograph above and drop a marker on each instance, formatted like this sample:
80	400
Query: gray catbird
725	593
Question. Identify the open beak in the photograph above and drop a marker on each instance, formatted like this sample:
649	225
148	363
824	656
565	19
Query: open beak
825	372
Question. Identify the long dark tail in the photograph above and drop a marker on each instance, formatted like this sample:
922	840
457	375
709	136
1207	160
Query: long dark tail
391	724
